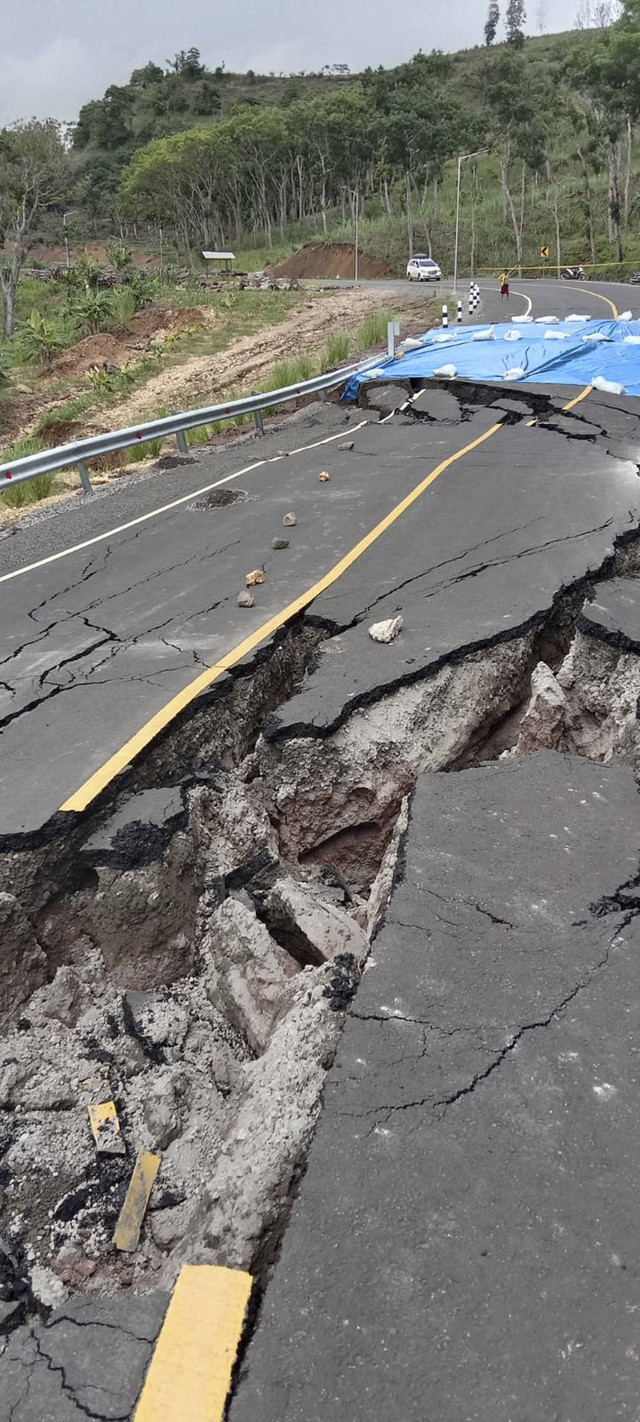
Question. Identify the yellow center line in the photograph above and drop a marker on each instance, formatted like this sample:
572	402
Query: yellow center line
582	396
598	297
572	403
190	1372
147	733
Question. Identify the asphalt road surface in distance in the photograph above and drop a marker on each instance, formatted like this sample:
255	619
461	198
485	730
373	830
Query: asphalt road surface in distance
462	1241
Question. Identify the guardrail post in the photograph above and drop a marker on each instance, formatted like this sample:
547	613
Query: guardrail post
393	330
84	476
181	438
84	473
257	415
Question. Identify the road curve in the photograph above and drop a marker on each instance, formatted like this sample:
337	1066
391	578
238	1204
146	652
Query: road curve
112	608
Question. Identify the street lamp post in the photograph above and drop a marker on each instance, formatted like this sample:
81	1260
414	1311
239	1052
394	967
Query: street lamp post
463	158
357	226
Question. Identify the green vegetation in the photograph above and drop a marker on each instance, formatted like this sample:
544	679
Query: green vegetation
338	349
34	490
556	114
40	340
373	330
200	157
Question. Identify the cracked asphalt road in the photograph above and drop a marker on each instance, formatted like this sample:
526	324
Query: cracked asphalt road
94	644
463	1245
88	1359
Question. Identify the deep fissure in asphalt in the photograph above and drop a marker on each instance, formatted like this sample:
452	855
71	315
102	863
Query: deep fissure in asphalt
189	948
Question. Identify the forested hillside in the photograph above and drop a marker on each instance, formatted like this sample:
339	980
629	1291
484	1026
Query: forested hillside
205	157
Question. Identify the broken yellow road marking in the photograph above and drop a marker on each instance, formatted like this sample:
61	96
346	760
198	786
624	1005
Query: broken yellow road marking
132	748
105	1125
190	1372
583	393
127	1230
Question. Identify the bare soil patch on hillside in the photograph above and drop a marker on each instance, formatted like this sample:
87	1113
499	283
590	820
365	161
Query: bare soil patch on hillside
329	259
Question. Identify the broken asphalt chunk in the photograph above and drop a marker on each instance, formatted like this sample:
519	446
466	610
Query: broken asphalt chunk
324	477
245	598
127	1231
280	543
348	445
290	520
257	576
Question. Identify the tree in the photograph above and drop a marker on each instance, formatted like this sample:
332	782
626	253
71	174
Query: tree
518	101
491	26
597	14
34	176
516	16
606	74
150	74
187	64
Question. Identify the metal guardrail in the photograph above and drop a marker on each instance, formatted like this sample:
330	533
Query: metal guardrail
77	453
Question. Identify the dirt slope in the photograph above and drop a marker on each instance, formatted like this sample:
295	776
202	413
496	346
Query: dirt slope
329	259
203	379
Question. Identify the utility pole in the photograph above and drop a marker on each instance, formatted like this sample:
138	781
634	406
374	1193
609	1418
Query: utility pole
463	158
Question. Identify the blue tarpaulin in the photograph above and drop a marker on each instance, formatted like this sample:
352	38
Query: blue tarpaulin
540	352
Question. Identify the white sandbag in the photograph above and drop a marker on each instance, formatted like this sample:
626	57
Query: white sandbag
547	320
516	374
448	372
595	336
609	387
626	316
412	343
556	336
483	335
522	320
577	318
513	335
631	340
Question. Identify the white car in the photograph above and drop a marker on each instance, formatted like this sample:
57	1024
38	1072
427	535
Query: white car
421	268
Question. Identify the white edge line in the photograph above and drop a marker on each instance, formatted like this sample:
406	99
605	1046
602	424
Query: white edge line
166	508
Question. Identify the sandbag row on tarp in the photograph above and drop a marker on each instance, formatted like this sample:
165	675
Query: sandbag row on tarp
542	352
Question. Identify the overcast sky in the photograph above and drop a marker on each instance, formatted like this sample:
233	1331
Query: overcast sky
57	54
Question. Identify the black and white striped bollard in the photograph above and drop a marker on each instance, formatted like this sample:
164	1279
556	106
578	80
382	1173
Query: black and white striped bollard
445	317
459	313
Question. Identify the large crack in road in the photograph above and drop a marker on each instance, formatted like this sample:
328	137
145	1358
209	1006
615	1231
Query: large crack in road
190	947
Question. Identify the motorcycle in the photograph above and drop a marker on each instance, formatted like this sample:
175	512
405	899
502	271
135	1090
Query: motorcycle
573	274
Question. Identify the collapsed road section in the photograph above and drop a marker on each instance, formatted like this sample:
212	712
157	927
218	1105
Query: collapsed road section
188	949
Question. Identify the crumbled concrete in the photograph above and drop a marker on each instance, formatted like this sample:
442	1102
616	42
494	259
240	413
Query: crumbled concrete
590	708
252	1178
313	929
386	631
248	971
544	720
